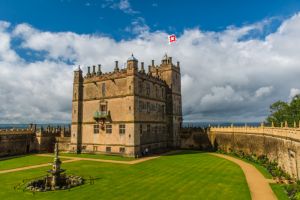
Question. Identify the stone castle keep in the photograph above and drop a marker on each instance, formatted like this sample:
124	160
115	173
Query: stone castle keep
127	111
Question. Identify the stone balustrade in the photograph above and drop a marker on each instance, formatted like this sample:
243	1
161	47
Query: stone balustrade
282	132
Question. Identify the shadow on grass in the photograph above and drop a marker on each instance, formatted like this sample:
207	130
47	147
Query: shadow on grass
16	156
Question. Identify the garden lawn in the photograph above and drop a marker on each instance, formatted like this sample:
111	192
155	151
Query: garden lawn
279	190
23	161
97	156
189	175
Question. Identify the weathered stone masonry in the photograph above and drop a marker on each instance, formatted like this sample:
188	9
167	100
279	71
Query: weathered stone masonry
281	144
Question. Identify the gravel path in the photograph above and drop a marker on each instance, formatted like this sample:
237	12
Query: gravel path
257	183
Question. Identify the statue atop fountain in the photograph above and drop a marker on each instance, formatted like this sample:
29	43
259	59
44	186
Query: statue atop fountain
56	180
56	170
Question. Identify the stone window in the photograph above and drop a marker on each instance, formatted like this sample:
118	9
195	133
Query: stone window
103	89
141	129
95	148
122	128
140	85
108	149
74	111
148	128
122	149
141	106
108	128
162	92
96	128
148	107
83	148
148	89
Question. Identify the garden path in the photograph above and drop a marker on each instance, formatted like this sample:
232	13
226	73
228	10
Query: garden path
257	183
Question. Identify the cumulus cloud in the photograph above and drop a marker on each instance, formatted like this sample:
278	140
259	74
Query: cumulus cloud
123	5
225	75
294	92
263	91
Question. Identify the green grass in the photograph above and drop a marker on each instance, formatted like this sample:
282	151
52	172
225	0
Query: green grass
279	190
189	175
97	156
23	161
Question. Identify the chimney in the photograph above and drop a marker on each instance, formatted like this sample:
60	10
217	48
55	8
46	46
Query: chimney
116	66
89	71
178	64
170	60
149	69
142	67
94	69
152	62
99	70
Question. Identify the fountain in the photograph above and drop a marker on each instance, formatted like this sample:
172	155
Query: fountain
56	180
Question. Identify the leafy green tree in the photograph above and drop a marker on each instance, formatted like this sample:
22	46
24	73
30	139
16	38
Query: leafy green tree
283	111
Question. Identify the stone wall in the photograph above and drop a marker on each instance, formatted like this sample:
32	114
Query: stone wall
17	141
32	140
279	144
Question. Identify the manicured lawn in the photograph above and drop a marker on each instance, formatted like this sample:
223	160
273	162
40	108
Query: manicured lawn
97	156
279	191
23	161
189	175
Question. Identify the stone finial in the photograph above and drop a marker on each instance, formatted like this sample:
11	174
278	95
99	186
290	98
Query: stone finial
94	69
262	124
116	66
99	72
295	125
149	69
178	64
142	67
281	124
285	124
272	124
89	70
231	125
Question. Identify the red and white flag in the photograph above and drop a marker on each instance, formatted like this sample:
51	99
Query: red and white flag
172	38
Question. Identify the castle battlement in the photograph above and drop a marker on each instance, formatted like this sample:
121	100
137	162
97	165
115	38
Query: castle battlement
153	74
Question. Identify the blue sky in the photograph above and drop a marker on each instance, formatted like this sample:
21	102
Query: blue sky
108	18
234	55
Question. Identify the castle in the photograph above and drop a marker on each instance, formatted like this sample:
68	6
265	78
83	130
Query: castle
127	111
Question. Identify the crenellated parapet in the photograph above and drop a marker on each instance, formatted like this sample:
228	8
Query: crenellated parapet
131	68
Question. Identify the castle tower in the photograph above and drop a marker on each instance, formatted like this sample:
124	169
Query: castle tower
132	64
77	104
171	74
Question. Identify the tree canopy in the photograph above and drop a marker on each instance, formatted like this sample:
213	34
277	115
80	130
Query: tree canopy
285	111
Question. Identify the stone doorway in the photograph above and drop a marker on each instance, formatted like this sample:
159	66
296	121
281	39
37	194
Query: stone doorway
27	148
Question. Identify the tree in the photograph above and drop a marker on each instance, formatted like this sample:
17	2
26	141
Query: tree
282	111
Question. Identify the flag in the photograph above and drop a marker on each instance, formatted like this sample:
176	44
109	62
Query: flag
172	38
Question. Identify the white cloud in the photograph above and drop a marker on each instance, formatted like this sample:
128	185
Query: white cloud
123	5
294	92
223	77
263	91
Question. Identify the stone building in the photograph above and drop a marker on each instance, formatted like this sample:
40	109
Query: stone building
128	110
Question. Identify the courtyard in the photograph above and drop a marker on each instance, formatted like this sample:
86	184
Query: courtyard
183	175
